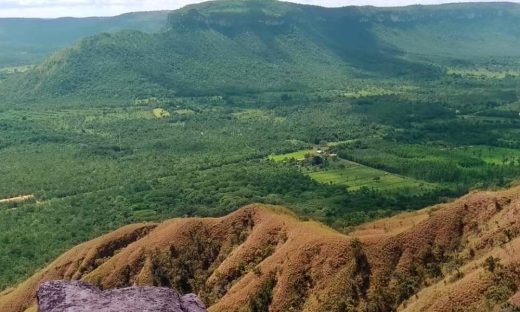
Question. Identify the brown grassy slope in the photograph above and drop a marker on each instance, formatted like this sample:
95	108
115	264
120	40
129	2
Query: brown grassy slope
72	265
264	258
391	226
491	229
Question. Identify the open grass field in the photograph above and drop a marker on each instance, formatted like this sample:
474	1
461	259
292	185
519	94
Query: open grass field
15	69
356	176
160	113
296	155
251	115
492	155
368	92
301	154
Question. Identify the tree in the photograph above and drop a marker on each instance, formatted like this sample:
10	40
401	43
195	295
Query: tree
316	160
491	264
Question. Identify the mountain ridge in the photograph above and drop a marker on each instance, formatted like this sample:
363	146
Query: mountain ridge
25	41
234	47
263	257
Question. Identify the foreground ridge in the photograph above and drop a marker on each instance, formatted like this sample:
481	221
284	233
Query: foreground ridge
452	256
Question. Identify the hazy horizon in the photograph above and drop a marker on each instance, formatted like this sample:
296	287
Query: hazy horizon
88	8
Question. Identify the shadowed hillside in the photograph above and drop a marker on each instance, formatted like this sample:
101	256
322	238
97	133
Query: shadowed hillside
28	40
263	258
236	47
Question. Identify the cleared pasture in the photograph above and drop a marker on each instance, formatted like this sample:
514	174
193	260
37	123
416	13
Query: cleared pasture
296	155
493	155
356	176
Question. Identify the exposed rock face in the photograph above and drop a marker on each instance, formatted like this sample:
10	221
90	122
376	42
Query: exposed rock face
75	296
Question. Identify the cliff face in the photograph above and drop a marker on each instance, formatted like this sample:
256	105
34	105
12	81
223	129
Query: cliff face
457	256
62	296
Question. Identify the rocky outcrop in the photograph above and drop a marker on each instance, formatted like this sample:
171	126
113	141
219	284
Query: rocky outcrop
64	296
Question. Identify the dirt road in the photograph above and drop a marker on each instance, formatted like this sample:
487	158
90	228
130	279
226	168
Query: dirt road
16	199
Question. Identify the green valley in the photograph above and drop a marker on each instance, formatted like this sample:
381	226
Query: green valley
203	110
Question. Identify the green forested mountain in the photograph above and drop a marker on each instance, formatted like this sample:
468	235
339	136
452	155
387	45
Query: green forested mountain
28	40
228	47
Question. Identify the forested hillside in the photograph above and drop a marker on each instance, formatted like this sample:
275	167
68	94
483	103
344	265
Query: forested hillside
25	41
230	47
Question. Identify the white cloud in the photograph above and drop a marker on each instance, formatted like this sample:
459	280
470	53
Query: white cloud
81	8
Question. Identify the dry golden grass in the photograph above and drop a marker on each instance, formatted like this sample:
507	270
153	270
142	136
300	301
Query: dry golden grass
391	226
515	300
232	261
71	265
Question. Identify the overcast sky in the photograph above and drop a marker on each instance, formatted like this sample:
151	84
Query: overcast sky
81	8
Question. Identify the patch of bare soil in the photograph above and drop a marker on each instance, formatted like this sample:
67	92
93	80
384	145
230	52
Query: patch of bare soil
16	199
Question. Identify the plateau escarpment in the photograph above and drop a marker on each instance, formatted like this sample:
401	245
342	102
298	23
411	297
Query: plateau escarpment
237	47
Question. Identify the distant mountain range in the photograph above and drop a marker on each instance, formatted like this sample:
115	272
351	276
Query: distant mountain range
29	40
229	47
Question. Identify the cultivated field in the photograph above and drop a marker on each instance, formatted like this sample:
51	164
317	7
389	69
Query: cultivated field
296	155
493	155
356	176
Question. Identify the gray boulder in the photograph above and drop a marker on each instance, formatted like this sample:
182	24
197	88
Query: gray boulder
76	296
